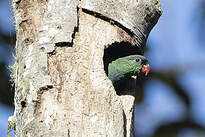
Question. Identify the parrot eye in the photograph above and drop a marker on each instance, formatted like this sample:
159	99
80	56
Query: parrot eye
137	60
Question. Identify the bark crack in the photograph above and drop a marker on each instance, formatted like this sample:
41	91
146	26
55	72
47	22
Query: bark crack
107	19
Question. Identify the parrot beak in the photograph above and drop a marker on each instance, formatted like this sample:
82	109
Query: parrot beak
146	69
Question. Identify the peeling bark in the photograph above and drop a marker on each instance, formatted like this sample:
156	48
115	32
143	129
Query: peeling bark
60	81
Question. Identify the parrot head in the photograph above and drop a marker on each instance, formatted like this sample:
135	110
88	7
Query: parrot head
125	67
139	63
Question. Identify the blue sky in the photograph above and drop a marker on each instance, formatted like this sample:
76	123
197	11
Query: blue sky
6	21
5	112
177	40
173	44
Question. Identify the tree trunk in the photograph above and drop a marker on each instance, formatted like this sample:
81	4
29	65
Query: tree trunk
61	86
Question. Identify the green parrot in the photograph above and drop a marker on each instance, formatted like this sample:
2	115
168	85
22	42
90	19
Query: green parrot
125	67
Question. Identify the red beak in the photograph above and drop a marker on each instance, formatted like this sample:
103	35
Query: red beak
146	69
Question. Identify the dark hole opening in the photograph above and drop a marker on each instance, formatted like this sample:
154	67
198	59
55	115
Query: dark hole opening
23	104
63	44
118	50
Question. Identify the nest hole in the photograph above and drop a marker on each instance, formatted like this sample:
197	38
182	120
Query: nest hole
118	50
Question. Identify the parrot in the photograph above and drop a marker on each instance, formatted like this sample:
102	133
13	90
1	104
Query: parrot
126	67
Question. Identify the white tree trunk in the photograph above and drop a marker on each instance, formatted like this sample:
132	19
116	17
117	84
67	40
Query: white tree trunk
61	87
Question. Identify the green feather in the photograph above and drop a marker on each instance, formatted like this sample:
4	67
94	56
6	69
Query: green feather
125	66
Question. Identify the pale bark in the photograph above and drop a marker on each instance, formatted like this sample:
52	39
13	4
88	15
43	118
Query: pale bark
61	87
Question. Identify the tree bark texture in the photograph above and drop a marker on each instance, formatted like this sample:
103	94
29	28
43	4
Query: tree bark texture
61	86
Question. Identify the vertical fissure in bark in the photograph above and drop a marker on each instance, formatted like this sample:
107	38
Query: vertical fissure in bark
75	30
